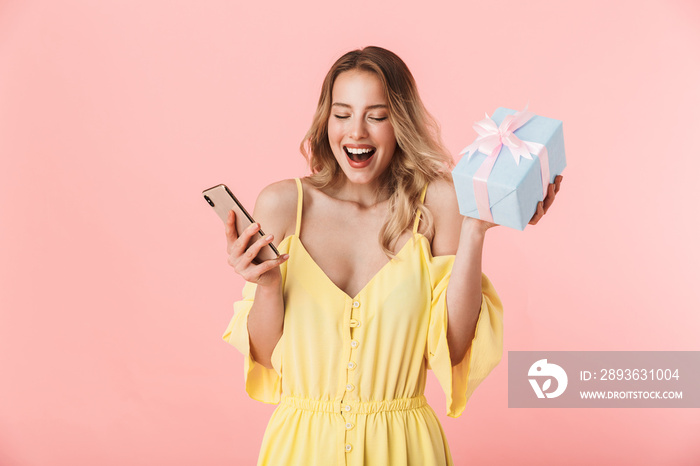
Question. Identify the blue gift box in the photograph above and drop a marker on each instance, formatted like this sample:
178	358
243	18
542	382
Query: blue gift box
513	189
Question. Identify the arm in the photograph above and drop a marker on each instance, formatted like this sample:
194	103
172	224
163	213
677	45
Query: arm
274	209
464	237
265	323
464	290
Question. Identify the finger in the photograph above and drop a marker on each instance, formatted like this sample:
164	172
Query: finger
255	248
250	255
550	197
266	266
231	233
538	215
557	183
241	244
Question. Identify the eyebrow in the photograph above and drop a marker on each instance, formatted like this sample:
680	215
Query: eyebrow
371	107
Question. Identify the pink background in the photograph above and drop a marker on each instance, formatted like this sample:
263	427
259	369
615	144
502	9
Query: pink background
114	286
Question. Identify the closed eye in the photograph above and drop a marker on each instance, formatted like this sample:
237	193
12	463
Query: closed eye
342	117
378	119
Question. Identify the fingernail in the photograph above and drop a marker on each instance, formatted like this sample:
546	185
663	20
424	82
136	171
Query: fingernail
268	237
285	256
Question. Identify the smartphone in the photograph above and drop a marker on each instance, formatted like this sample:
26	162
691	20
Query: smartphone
222	200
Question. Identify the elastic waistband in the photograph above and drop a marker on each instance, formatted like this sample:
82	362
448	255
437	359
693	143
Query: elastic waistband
354	406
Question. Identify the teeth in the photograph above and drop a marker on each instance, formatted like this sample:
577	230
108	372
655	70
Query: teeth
359	151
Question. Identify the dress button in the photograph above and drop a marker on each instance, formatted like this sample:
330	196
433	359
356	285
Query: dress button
348	408
354	343
349	425
349	387
351	365
354	323
355	304
348	447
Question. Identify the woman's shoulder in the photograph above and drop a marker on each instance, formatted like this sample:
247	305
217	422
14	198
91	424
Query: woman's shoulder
442	190
284	191
441	199
276	207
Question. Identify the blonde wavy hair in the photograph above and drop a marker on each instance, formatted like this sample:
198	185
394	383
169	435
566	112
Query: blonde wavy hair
420	155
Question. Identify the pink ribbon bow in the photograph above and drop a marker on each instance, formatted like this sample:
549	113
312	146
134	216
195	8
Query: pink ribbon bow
490	141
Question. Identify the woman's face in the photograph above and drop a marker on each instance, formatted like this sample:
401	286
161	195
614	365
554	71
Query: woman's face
359	132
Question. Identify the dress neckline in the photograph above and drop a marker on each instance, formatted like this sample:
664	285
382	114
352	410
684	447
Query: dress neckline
297	234
412	239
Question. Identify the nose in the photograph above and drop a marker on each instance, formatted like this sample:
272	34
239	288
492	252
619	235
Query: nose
358	130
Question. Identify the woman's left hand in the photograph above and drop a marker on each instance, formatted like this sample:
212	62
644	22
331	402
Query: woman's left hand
543	206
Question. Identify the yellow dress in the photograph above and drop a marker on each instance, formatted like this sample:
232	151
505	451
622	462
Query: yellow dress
349	372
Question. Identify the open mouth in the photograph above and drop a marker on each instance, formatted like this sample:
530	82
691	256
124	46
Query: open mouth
359	155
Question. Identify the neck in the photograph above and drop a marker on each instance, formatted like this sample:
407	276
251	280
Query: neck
366	195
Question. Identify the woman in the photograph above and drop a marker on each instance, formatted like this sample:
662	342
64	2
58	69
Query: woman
376	260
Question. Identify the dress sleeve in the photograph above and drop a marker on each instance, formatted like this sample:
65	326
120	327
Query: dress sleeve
261	383
459	381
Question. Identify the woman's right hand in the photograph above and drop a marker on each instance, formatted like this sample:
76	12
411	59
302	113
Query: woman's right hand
266	273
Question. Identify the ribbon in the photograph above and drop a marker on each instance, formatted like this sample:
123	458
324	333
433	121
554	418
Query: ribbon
490	141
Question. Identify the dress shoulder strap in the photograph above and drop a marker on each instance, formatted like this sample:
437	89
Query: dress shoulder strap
300	203
422	199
